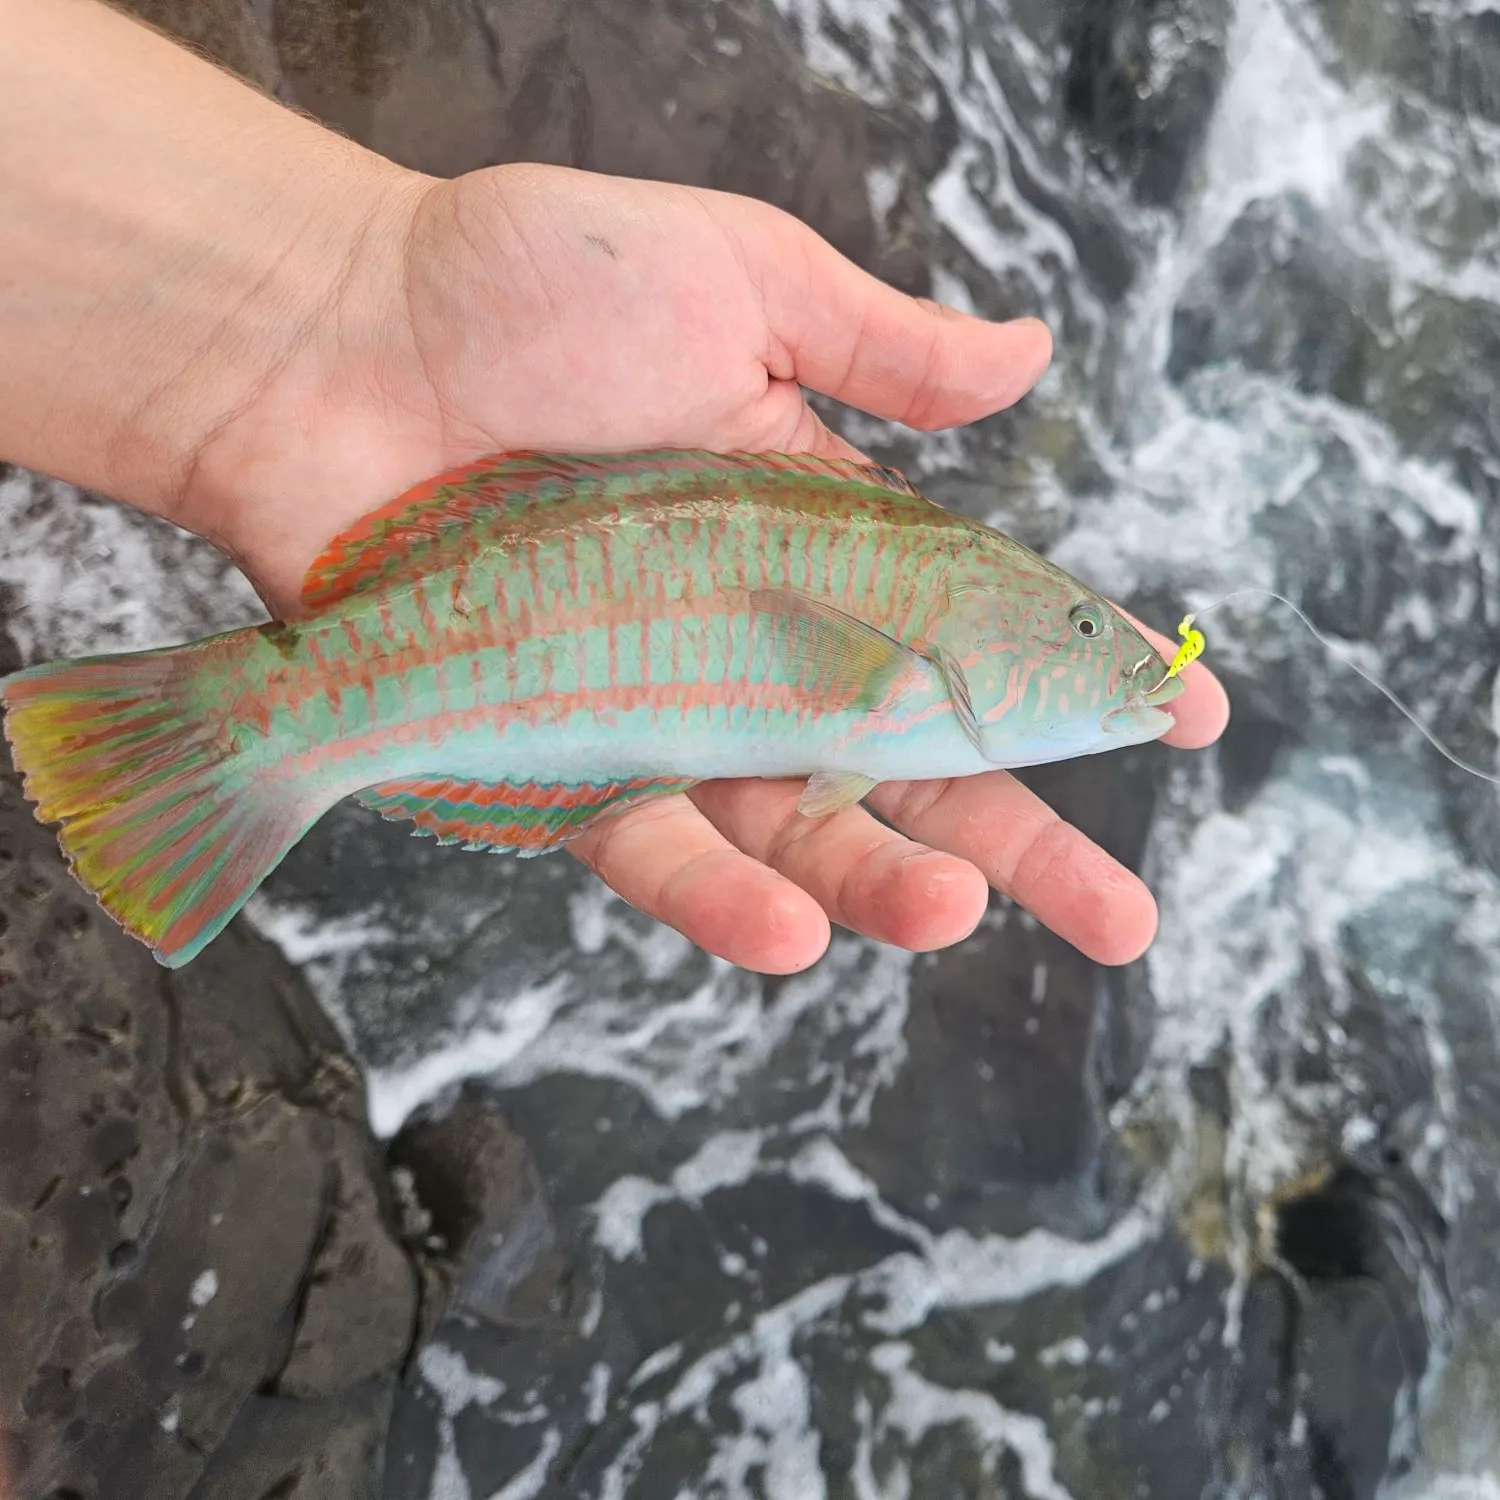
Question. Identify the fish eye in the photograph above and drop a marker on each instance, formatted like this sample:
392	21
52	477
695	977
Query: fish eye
1088	621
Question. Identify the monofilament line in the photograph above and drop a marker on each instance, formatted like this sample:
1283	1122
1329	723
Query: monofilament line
1193	647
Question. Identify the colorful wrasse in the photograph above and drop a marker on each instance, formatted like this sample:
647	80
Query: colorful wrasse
514	649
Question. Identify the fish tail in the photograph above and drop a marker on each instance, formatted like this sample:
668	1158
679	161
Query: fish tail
166	817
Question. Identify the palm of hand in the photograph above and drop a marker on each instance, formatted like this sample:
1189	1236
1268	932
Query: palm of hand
540	308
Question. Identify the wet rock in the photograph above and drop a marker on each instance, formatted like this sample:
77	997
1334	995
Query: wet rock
1417	156
1346	1267
1282	293
494	1247
1448	51
713	96
1438	394
1019	1028
304	1449
1141	79
192	1214
1333	1350
355	1320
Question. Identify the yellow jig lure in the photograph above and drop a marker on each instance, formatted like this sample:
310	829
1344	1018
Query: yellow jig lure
1190	649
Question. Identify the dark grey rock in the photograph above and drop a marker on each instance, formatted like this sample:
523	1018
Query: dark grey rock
714	96
1141	79
282	1448
495	1246
194	1224
1282	293
1437	397
1019	1028
1449	52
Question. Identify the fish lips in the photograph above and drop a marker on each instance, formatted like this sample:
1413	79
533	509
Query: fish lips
1134	726
1143	717
1164	692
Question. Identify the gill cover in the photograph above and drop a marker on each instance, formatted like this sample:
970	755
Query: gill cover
981	649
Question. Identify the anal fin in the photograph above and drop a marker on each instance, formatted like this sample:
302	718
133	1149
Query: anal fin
529	818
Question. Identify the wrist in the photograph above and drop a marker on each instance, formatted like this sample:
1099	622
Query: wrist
327	419
172	244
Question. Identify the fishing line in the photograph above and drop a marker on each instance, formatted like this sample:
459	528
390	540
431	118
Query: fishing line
1193	645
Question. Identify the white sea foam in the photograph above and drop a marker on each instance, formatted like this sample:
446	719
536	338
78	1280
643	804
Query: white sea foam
683	1046
918	1407
93	576
457	1387
724	1160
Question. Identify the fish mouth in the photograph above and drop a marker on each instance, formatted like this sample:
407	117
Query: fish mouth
1167	686
1164	692
1137	723
1143	716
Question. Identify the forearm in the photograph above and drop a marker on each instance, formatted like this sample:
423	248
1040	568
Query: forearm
169	238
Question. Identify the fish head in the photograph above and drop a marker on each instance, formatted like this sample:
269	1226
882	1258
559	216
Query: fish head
1051	670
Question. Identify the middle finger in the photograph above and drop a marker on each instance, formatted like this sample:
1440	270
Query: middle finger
868	878
1064	879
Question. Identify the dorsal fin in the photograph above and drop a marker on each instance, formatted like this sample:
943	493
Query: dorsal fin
398	541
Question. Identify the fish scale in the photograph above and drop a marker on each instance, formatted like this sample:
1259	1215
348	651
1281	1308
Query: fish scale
533	612
515	649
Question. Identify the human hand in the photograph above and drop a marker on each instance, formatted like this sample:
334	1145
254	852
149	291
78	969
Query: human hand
220	312
543	308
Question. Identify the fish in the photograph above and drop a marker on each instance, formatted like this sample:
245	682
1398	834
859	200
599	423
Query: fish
517	648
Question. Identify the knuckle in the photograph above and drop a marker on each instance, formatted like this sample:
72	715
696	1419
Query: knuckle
915	801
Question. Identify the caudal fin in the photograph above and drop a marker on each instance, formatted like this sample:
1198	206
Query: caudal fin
162	817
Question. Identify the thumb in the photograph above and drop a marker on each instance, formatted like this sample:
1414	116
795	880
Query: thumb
839	330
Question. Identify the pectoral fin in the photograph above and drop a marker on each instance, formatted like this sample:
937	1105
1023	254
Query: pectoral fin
832	791
830	653
958	691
